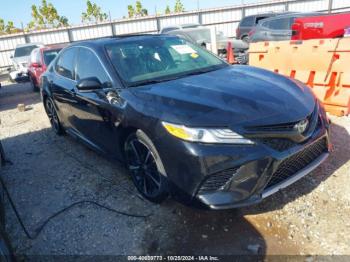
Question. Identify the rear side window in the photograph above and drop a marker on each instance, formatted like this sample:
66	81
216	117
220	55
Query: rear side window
66	63
279	24
260	18
248	21
50	55
88	65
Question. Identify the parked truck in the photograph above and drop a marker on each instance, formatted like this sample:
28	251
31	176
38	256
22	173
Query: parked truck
318	27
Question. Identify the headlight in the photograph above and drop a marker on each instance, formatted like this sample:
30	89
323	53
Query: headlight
206	135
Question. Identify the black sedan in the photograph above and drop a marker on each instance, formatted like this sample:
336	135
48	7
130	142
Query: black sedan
185	122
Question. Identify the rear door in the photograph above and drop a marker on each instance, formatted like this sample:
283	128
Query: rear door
63	84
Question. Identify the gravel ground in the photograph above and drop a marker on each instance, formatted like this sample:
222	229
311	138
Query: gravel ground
51	172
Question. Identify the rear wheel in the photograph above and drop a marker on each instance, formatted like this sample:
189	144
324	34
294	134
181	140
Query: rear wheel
145	167
53	117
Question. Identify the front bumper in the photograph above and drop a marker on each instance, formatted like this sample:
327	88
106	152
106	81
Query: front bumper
247	170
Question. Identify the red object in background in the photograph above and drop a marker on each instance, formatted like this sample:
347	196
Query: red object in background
230	55
317	27
38	65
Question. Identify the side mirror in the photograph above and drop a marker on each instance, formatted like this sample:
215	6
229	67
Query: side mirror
89	84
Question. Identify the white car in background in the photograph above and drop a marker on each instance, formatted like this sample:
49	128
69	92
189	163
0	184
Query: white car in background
20	61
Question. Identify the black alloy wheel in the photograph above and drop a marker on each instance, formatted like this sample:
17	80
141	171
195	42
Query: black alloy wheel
145	167
53	117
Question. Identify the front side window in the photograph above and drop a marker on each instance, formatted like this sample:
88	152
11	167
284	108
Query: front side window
158	59
88	65
66	63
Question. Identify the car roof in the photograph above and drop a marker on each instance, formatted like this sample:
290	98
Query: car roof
292	15
271	14
53	47
95	43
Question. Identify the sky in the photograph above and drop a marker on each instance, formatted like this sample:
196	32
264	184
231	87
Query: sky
19	11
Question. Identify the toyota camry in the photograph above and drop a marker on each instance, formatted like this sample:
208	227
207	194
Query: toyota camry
186	123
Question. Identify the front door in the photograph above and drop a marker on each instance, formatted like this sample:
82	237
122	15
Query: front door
92	111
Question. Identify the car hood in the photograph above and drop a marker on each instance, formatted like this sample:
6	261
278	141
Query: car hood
233	96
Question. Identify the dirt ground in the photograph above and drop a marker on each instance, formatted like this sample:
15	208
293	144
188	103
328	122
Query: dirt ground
49	173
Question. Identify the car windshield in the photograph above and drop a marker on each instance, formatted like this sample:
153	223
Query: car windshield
157	59
24	51
50	55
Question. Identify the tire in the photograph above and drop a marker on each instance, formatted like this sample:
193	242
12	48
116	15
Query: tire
146	167
53	117
34	87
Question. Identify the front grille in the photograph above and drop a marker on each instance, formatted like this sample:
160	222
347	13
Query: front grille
273	128
284	127
217	181
297	162
279	144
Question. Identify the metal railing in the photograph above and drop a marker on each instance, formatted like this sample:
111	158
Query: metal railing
224	19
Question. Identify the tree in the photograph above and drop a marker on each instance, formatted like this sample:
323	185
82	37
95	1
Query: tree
2	25
46	16
167	10
179	7
8	28
93	13
131	11
137	11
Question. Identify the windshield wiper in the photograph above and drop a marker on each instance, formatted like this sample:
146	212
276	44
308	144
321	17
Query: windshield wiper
152	81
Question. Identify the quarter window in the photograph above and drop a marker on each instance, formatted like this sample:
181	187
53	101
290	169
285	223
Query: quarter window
88	65
66	63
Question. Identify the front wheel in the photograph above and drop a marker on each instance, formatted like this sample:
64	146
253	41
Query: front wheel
146	167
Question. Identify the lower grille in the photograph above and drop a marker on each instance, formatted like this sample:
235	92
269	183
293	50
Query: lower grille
297	162
217	181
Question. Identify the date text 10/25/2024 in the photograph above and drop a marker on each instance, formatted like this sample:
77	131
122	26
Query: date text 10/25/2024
173	258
